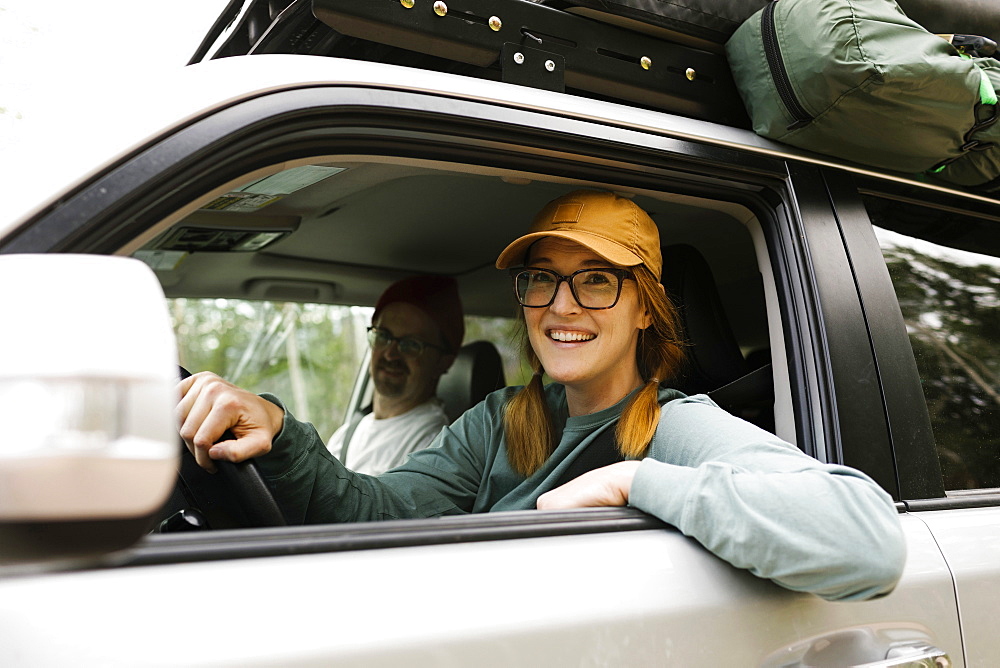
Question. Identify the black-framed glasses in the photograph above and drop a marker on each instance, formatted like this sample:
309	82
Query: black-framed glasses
407	345
595	289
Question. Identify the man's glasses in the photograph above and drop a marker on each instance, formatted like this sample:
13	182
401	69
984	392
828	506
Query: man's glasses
592	288
407	345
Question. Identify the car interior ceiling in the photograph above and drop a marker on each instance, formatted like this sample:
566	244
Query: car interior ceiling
365	222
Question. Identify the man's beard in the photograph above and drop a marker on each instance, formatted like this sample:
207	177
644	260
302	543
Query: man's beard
390	385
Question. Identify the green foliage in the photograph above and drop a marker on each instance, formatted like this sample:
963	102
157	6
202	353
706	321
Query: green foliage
507	335
307	354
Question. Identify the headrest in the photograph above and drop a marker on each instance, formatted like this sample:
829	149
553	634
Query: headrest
714	356
477	371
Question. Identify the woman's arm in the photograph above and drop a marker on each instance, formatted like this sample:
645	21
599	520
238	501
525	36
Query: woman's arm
755	501
309	483
762	504
313	487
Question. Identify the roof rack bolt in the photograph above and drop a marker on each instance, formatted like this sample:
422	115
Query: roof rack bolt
690	74
645	62
550	66
519	58
496	23
407	3
440	8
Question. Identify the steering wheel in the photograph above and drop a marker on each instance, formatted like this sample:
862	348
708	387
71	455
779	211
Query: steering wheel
236	496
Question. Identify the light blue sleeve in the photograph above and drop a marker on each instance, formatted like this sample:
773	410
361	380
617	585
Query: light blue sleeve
762	504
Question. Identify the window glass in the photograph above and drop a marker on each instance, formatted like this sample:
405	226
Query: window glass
346	233
307	354
949	300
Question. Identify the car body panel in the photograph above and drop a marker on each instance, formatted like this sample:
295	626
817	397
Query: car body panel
634	598
970	541
628	597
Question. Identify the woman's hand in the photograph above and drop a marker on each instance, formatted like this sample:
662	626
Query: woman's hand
606	486
209	406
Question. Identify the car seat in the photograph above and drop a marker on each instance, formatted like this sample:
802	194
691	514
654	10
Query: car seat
477	371
715	364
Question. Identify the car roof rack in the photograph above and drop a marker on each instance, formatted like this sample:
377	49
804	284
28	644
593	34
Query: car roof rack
515	41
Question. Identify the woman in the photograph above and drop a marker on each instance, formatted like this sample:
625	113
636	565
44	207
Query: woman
599	324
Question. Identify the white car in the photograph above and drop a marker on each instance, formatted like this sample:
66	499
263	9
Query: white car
859	309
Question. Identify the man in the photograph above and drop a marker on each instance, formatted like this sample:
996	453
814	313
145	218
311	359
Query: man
416	331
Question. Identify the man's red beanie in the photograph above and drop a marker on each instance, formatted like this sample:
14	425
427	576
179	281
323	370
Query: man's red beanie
437	296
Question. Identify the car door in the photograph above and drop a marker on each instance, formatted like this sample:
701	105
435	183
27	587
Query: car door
536	588
927	263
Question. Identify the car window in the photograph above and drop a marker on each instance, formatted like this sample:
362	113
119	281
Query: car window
275	295
307	354
946	274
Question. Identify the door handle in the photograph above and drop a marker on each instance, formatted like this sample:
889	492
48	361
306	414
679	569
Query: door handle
861	647
921	655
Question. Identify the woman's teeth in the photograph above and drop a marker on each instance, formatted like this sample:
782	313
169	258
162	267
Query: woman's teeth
571	336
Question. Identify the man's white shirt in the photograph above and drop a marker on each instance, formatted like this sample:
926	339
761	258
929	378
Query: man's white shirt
379	445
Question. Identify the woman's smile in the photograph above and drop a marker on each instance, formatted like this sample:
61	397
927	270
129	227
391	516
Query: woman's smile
570	335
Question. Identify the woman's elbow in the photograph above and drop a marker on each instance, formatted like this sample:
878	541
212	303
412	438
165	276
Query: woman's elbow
873	570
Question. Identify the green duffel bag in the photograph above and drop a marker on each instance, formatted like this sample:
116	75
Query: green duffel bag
859	80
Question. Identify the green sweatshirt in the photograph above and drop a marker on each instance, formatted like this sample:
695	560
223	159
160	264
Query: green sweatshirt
749	497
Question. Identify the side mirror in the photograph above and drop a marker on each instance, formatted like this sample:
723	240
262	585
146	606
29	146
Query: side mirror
88	369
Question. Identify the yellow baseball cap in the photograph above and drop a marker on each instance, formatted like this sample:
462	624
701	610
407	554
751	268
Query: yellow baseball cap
613	227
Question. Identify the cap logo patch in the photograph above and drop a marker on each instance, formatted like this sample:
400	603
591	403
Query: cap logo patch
568	213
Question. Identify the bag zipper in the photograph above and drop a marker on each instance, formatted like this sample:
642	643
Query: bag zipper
772	51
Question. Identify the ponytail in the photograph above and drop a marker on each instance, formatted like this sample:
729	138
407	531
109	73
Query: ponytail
659	354
528	422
